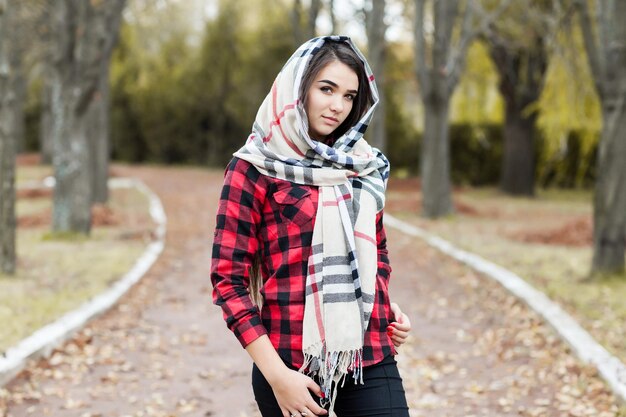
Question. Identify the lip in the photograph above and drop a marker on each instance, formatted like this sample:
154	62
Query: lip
332	119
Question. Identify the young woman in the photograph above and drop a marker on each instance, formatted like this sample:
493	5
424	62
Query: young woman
300	231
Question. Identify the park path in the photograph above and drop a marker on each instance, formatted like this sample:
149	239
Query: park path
164	350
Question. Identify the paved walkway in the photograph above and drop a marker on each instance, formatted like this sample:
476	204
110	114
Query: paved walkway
165	351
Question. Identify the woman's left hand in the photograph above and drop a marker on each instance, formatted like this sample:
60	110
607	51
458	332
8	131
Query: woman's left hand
398	330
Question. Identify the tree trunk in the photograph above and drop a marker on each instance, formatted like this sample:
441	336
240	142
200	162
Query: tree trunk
7	184
435	159
438	70
333	18
100	140
606	55
521	69
314	10
375	28
45	129
609	238
86	35
304	28
7	142
518	165
72	192
21	87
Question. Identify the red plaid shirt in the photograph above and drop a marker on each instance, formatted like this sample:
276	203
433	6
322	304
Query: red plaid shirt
274	219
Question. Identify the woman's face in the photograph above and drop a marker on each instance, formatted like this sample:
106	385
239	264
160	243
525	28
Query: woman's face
330	99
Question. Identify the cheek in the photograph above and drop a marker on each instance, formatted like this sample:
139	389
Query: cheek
348	109
313	100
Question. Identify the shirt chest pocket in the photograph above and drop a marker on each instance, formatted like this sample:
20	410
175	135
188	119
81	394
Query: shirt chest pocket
294	207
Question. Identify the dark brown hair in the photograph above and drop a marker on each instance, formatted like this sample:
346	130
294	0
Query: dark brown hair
332	51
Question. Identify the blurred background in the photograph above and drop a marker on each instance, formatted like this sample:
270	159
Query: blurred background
504	121
186	79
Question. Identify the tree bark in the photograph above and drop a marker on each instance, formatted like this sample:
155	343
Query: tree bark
333	17
19	127
97	145
8	68
435	158
46	126
304	28
438	70
518	164
375	29
72	192
606	54
522	71
99	121
86	34
609	241
314	10
437	76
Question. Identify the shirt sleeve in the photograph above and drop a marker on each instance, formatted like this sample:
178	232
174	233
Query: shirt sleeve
384	268
235	245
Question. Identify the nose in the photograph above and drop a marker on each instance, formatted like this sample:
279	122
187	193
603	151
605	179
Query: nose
336	105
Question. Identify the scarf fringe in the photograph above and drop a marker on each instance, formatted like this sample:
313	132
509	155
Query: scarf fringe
332	368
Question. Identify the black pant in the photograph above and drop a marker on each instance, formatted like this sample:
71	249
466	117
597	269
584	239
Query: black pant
380	395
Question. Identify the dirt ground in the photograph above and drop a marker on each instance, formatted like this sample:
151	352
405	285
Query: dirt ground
164	350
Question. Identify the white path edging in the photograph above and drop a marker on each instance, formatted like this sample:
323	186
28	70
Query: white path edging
611	368
43	341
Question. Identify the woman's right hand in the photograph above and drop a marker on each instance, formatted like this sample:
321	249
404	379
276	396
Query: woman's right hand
291	390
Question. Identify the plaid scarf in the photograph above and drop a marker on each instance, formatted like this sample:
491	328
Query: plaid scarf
352	177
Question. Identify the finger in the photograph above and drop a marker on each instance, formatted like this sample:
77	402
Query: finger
395	309
406	320
401	335
403	327
285	412
317	390
314	409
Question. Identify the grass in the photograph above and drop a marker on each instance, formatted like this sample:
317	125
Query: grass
32	173
494	225
56	275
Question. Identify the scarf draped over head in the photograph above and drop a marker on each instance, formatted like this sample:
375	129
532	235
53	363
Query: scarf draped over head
352	177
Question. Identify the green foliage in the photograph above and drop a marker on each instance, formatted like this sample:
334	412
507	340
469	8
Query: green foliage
569	108
195	103
403	138
64	237
476	153
177	98
476	99
569	120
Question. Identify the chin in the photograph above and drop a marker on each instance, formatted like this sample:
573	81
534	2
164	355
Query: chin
322	134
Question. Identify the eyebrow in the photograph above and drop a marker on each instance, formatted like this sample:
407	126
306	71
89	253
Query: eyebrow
336	86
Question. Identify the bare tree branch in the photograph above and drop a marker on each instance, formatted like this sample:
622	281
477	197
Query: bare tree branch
593	52
441	45
451	11
603	30
314	11
456	60
333	17
469	32
421	66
